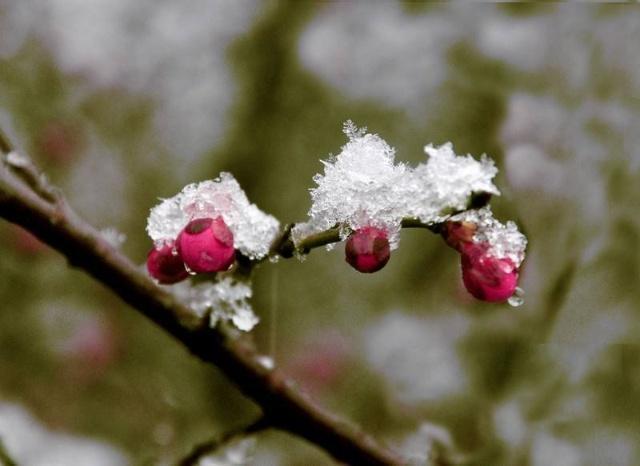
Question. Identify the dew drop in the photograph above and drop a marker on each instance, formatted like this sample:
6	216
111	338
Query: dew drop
517	299
174	251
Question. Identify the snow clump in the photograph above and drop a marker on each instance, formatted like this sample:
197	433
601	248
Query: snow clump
253	230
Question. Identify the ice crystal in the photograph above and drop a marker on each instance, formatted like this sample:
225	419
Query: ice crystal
363	186
253	230
225	299
447	181
360	187
114	237
505	240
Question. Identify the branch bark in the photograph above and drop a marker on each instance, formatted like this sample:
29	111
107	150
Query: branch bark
26	201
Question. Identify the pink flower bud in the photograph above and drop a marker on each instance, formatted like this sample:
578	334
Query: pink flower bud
206	245
367	249
457	233
165	265
486	277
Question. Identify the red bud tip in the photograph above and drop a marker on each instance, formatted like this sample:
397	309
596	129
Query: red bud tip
486	277
206	245
367	249
457	233
165	266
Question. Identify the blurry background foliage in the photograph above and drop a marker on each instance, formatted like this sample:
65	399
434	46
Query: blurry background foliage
125	102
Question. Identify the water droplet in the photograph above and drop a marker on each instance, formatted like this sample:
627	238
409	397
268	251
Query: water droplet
330	246
300	256
517	299
274	259
174	251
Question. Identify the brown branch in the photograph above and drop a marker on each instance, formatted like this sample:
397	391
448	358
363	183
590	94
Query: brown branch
284	406
24	168
205	448
284	246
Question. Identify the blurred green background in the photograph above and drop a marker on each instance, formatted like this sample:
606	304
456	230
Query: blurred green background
122	103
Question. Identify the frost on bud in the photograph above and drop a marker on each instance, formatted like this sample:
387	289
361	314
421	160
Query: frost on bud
367	250
487	277
253	230
206	245
166	266
457	233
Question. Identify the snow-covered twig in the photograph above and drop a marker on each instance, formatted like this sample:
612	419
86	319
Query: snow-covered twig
282	404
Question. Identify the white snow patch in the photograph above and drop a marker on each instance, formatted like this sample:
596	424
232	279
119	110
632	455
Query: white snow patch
253	230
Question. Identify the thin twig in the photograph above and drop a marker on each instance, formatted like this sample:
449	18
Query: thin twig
284	246
24	168
205	448
286	407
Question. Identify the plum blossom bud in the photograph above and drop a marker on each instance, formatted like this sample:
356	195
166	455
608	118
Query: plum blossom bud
456	233
165	265
206	245
486	277
367	249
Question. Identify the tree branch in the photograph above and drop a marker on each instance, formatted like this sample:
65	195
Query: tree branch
22	201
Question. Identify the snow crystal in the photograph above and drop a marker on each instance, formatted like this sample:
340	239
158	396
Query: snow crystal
505	240
363	186
253	230
225	299
447	181
114	237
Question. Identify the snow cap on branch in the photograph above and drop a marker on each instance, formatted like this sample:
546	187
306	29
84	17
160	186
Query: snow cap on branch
363	186
253	230
446	182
